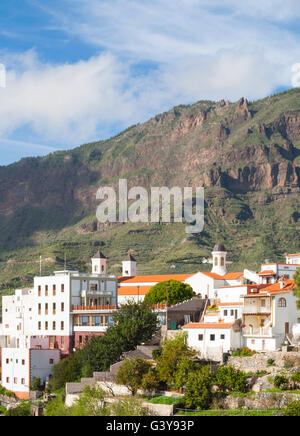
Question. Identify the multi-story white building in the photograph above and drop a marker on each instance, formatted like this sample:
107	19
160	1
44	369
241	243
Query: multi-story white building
21	364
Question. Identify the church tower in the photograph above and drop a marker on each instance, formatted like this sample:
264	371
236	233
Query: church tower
99	263
219	254
129	266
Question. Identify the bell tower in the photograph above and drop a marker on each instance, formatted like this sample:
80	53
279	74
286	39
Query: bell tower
129	266
219	254
99	263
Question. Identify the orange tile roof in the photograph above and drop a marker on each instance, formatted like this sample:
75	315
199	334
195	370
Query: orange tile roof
212	275
154	278
275	289
296	254
230	304
233	276
208	325
267	272
234	286
133	290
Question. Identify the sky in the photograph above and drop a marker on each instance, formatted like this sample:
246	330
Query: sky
77	71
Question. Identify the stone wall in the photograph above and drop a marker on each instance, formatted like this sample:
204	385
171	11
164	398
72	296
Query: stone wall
261	401
258	362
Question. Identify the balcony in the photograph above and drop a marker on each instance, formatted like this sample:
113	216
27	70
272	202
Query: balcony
257	331
93	308
255	310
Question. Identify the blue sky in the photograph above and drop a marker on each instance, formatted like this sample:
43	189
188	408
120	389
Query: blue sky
83	70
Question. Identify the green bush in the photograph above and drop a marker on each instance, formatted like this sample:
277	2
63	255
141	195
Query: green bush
296	377
270	362
293	409
280	382
229	379
198	391
22	410
244	352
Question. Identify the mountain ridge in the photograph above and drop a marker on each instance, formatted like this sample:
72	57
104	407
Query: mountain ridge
245	154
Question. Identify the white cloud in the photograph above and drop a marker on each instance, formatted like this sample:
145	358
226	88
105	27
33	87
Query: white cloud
199	48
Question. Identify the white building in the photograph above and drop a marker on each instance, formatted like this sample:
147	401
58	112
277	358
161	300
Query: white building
269	315
212	339
21	365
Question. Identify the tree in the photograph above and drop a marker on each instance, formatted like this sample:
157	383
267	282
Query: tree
129	407
198	390
134	324
91	403
22	409
36	384
67	370
174	351
132	373
229	379
185	367
177	293
297	289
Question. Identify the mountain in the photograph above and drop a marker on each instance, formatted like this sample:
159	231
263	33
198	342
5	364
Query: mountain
245	154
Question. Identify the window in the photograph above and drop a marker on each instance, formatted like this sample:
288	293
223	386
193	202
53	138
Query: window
46	308
62	307
51	362
225	312
212	337
263	303
23	362
282	302
39	291
46	325
54	290
200	337
39	309
23	381
231	312
7	361
54	325
62	325
62	343
40	325
54	308
15	381
62	288
46	290
216	261
7	379
222	337
222	261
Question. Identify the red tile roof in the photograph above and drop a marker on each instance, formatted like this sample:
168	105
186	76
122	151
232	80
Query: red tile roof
133	290
154	278
267	272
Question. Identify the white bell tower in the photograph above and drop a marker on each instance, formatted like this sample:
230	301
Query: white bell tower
99	263
129	266
219	254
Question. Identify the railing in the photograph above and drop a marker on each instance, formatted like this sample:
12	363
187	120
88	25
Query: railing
256	309
107	307
257	331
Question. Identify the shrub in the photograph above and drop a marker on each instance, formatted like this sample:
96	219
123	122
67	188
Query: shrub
293	409
22	409
36	384
229	379
288	364
198	392
270	362
280	382
296	377
244	352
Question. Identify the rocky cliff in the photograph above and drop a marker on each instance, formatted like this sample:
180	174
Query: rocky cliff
246	155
